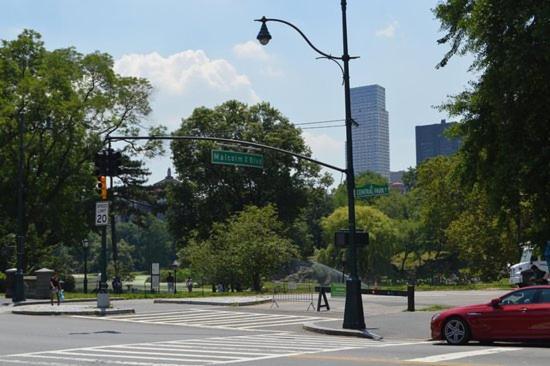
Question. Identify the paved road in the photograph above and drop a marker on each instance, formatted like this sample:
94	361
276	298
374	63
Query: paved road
175	335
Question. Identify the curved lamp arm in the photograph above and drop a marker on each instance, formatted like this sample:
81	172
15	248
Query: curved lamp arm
336	62
326	55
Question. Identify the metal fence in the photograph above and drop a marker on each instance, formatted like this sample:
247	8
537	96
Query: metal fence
288	291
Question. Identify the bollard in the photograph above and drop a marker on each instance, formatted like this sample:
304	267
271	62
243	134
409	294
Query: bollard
410	297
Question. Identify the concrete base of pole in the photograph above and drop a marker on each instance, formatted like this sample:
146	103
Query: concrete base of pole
19	287
354	318
103	300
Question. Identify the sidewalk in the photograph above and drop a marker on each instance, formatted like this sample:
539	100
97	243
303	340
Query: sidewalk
219	300
68	309
335	328
414	326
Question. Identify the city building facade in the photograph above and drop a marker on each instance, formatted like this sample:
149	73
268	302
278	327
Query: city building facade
371	137
431	141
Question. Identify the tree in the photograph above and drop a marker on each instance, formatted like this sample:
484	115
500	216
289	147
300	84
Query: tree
484	241
244	250
505	127
441	200
214	192
150	242
69	103
125	263
374	260
404	210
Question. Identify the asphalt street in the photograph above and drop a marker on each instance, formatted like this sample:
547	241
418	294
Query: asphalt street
177	334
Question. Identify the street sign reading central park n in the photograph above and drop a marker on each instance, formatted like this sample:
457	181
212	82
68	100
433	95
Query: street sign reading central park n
235	158
371	190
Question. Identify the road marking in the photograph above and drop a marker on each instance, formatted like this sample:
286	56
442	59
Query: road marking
458	355
215	319
197	351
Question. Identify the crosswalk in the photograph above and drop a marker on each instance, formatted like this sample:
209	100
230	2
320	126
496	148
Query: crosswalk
197	351
222	319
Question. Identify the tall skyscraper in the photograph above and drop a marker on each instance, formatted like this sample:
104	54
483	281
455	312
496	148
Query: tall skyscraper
371	138
431	142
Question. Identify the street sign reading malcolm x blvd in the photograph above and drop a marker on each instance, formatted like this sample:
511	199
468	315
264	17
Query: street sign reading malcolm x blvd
102	213
226	157
371	190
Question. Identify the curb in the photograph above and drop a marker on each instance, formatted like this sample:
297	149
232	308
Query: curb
40	302
365	333
213	303
97	312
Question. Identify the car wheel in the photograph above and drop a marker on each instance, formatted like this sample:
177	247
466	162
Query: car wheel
456	331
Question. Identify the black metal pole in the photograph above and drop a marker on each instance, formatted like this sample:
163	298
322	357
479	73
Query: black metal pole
19	293
86	269
354	317
103	283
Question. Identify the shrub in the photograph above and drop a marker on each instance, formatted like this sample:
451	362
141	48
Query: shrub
68	283
2	282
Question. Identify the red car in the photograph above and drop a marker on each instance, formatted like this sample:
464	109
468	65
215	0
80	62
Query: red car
523	314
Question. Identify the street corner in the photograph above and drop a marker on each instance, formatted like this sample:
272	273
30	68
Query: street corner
334	328
70	309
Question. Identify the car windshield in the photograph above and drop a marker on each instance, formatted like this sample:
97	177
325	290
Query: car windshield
526	255
519	297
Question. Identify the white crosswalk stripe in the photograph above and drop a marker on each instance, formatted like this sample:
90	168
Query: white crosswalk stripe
207	318
198	351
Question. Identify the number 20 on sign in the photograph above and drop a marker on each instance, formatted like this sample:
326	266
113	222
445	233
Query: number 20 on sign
102	213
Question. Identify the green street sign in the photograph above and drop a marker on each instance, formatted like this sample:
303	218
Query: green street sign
337	289
371	190
235	158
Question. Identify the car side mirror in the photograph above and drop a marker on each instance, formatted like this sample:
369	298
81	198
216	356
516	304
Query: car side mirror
495	303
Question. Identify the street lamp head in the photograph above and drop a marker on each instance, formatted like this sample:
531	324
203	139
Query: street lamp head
264	37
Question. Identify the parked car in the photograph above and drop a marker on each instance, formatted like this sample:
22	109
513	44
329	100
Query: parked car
523	314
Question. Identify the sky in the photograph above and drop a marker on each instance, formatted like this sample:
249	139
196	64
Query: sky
204	52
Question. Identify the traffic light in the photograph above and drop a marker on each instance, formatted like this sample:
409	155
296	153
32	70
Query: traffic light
114	162
102	187
100	162
107	162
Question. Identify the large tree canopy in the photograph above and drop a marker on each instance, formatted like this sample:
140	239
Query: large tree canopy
69	103
505	114
210	193
243	251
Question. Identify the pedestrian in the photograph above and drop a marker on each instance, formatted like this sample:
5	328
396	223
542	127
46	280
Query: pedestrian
55	288
189	284
170	281
117	285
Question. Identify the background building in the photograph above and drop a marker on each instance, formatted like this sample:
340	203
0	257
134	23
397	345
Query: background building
431	142
371	138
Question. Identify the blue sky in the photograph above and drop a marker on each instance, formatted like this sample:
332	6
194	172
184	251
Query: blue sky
203	52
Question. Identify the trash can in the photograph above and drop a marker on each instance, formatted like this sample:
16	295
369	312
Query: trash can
10	282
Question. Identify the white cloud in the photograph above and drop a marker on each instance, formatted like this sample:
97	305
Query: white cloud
388	31
272	72
250	50
184	72
323	145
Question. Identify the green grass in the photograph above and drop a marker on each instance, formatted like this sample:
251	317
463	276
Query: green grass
435	308
197	293
498	285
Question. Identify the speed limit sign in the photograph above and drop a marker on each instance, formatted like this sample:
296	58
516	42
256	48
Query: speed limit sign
102	213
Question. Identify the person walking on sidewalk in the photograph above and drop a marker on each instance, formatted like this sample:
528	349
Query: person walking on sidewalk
170	282
55	288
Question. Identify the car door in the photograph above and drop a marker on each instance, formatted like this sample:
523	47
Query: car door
539	316
510	319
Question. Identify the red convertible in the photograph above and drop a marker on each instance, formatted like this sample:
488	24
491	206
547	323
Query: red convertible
520	315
